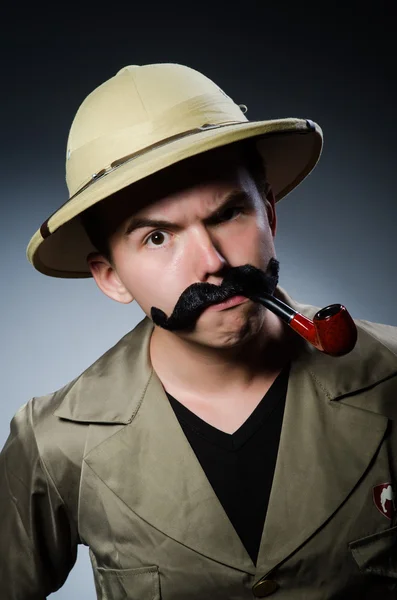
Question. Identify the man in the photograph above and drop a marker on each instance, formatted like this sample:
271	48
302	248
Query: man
216	454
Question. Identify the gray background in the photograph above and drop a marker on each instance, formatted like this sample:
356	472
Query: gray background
336	234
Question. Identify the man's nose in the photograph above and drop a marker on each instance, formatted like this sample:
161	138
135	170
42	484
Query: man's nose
206	254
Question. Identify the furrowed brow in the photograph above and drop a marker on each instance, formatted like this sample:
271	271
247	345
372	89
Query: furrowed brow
144	222
230	200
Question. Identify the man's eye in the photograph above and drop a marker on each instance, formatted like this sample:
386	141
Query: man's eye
230	213
156	239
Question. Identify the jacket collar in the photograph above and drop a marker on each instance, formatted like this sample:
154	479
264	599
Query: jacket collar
112	389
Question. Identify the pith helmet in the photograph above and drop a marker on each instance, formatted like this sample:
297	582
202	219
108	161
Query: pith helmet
147	118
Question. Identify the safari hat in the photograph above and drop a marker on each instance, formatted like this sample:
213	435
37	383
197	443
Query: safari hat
147	118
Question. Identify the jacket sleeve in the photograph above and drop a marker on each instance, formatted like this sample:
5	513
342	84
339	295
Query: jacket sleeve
38	540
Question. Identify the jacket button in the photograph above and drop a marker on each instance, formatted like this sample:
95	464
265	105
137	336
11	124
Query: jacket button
264	588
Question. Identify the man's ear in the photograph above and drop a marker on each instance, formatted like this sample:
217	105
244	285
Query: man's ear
271	210
107	279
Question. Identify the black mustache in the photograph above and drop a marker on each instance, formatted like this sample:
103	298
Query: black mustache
244	280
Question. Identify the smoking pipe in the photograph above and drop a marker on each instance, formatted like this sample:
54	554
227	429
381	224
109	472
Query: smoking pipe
332	330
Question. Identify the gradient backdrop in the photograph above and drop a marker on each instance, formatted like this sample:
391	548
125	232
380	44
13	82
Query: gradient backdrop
336	238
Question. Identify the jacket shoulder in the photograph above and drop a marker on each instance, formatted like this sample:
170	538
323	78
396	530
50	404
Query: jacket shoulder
384	334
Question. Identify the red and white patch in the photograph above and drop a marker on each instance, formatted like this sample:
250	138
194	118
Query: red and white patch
384	499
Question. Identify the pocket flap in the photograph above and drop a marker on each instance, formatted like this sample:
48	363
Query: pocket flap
377	553
133	584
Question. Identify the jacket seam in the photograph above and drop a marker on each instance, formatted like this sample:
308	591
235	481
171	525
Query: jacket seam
15	503
46	471
326	392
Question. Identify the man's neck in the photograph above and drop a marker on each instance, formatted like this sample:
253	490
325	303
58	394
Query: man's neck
187	368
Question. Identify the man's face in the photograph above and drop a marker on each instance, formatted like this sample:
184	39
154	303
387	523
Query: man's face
193	235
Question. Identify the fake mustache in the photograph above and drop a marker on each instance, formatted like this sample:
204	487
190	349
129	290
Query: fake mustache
245	280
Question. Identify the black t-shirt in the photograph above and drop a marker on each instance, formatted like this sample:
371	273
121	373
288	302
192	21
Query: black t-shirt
240	466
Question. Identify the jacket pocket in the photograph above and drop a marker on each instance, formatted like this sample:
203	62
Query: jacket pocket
377	553
128	584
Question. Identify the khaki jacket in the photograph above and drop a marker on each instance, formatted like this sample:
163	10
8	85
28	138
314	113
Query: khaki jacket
104	462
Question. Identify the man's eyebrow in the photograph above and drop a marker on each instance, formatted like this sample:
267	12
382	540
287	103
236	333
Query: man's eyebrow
136	223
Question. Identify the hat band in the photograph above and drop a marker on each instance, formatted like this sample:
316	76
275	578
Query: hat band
121	161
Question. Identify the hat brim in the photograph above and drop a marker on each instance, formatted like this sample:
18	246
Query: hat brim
290	148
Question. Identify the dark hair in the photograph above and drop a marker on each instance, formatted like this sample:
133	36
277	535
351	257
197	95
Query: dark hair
94	225
94	218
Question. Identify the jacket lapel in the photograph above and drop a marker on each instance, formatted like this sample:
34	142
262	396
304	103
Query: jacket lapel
325	448
148	463
326	445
